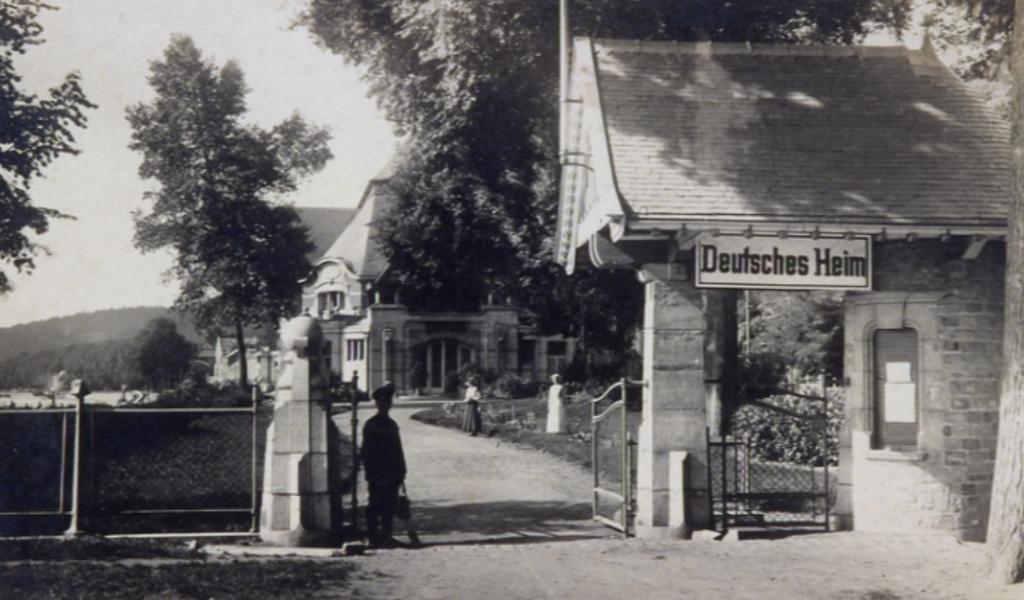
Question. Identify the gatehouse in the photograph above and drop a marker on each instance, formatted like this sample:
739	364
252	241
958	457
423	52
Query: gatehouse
709	168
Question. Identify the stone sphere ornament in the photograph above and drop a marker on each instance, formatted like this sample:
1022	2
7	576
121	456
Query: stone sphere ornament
301	333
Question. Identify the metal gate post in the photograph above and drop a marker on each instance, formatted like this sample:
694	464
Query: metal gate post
594	466
626	467
355	452
711	481
824	453
63	460
76	466
725	484
254	526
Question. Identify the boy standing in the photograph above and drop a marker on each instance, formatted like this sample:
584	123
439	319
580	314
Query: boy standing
384	466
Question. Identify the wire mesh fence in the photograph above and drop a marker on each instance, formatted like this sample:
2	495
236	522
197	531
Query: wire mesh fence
195	468
141	469
34	468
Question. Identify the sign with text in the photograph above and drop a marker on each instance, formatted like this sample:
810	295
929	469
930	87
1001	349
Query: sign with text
791	263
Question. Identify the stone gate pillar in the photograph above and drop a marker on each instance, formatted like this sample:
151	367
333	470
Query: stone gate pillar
676	346
297	508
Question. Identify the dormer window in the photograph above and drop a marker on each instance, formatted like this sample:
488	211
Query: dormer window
330	303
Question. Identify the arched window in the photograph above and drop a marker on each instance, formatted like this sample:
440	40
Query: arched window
895	401
329	303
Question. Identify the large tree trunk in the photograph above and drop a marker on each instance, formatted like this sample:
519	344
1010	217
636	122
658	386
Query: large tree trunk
1006	518
243	363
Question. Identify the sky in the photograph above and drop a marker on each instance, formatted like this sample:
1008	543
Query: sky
93	264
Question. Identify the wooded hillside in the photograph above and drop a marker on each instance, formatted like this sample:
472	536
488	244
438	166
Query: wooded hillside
86	328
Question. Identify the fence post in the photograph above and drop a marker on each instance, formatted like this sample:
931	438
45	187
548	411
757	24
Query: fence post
63	460
79	390
626	483
824	453
711	482
254	526
355	452
594	466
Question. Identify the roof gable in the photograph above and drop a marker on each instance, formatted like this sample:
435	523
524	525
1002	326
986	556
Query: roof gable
357	245
847	136
324	225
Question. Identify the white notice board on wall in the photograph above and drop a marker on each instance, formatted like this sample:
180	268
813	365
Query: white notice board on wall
900	394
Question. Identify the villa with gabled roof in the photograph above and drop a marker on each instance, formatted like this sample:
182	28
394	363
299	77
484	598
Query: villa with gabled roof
372	336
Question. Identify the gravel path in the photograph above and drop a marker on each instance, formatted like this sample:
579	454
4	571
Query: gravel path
467	489
838	566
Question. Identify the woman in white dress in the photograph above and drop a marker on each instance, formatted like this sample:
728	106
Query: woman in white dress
472	421
556	405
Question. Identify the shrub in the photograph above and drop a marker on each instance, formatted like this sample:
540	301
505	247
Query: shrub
511	385
761	374
777	437
198	393
602	368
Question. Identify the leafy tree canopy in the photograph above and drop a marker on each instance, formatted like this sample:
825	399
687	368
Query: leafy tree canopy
970	36
34	131
239	253
803	329
164	355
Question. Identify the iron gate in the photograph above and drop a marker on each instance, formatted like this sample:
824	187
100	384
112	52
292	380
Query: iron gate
754	488
613	458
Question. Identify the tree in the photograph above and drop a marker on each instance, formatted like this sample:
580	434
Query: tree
971	38
1005	536
239	253
473	84
104	365
34	132
164	356
803	329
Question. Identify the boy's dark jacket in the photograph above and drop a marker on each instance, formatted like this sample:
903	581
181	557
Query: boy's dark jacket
383	460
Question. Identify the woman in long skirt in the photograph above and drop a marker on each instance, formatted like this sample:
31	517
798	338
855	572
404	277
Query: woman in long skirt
556	406
471	420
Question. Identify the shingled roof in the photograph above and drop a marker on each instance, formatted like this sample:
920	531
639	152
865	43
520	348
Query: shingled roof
847	137
324	224
357	245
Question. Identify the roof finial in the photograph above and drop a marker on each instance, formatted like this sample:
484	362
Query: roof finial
926	43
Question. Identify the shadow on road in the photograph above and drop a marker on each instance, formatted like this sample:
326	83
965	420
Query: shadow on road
516	523
491	518
501	523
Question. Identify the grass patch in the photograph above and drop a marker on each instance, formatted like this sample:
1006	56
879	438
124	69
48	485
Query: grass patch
95	567
249	580
93	548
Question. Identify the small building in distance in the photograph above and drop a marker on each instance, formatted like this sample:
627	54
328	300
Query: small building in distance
226	359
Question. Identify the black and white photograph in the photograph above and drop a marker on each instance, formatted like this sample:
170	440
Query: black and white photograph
511	299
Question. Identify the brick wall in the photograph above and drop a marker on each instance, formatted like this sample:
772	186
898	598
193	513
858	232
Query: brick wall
956	305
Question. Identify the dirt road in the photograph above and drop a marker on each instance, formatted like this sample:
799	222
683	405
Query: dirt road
467	490
510	523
